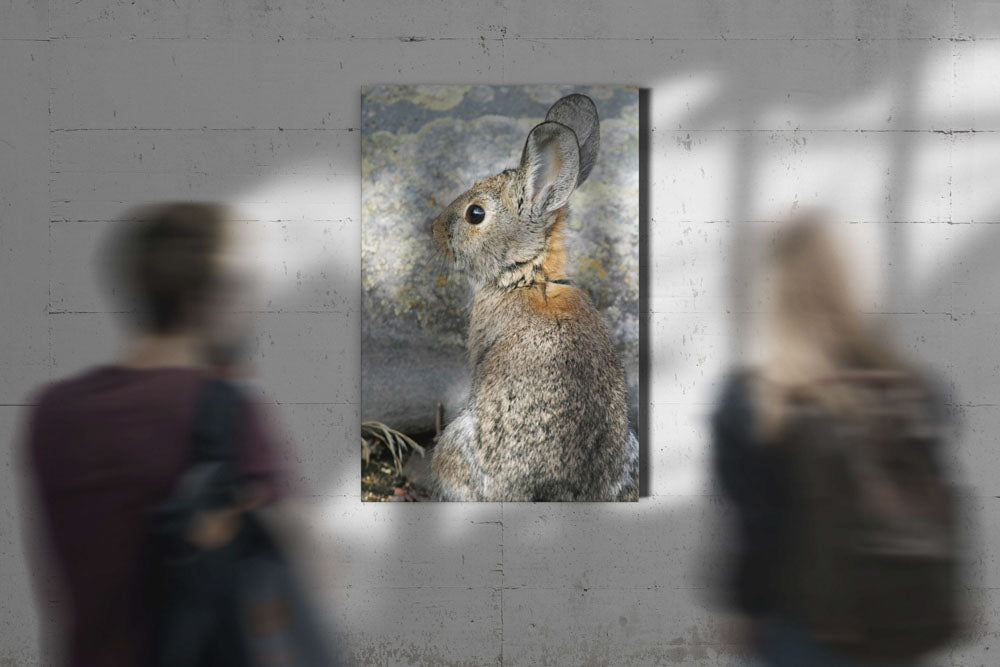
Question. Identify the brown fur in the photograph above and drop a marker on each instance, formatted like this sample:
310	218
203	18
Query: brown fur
547	418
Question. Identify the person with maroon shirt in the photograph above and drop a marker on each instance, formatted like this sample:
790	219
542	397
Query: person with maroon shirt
106	446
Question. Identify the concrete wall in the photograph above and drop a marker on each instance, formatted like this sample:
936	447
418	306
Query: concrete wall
888	113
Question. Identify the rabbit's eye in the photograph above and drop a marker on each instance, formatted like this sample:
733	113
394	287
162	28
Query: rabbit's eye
475	214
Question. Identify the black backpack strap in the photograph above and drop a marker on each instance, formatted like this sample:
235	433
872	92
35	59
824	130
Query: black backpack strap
216	418
213	437
190	585
209	480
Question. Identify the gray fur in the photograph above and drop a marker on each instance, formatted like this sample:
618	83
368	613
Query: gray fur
550	164
547	418
579	114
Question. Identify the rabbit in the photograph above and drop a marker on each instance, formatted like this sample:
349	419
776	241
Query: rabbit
547	418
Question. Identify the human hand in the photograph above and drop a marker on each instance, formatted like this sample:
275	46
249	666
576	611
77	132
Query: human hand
214	528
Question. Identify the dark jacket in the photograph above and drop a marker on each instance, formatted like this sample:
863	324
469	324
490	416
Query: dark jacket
104	448
754	477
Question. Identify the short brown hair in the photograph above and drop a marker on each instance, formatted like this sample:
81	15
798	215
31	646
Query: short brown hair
168	260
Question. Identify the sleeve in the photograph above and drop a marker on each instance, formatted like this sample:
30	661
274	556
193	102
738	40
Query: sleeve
733	424
30	435
747	473
260	452
35	504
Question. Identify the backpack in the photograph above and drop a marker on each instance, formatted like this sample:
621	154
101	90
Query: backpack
238	605
872	552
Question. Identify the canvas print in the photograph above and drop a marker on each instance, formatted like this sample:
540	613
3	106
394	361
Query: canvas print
500	278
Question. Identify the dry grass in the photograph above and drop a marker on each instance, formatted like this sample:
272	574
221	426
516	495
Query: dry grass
376	434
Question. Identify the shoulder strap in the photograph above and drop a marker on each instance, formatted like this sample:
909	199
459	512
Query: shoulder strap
210	476
213	441
216	418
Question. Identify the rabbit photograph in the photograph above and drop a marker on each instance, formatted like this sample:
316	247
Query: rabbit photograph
500	292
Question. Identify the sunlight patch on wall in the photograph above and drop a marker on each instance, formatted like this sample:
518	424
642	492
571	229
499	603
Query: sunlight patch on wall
293	229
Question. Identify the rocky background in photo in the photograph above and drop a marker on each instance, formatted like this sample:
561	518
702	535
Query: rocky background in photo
422	146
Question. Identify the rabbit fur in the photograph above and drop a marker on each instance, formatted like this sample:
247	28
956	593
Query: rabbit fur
547	418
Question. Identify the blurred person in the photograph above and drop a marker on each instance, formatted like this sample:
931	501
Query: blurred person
845	549
105	446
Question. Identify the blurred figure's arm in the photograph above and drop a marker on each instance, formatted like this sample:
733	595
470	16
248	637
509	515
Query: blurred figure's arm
43	570
264	479
748	472
261	481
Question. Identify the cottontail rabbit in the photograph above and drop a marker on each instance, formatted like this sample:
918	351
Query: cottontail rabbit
547	416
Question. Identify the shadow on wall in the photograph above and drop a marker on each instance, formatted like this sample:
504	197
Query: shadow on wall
473	565
741	130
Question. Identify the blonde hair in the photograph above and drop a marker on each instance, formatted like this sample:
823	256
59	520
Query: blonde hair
816	330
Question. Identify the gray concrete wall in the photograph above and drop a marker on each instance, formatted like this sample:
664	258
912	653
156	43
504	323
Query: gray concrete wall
887	112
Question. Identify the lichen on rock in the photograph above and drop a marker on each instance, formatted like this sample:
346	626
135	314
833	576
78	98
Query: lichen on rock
421	147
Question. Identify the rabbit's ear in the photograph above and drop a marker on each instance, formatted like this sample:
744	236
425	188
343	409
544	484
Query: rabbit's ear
579	113
550	166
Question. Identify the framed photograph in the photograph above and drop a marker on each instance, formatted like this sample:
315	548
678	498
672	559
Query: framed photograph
500	278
